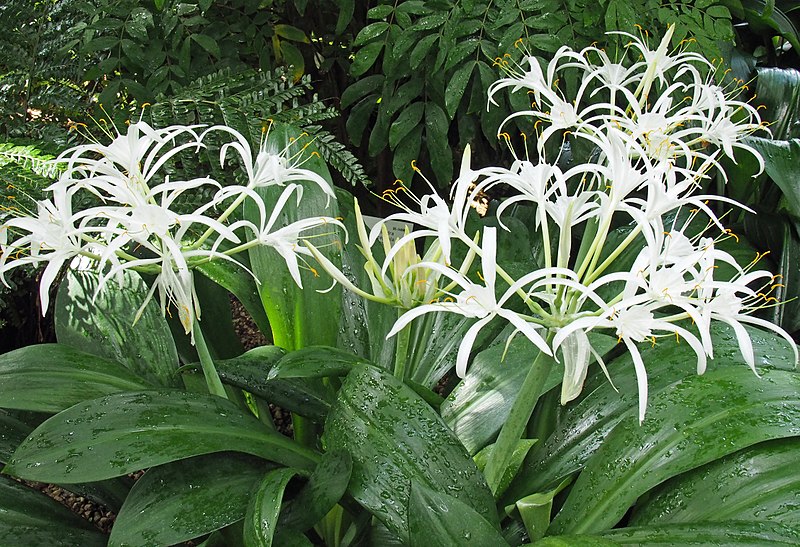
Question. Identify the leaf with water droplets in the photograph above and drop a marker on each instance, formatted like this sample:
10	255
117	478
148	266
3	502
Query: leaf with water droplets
125	432
28	517
264	508
103	324
438	519
52	377
186	499
394	437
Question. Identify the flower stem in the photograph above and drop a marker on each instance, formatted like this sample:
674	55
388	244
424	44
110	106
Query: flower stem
213	382
401	350
518	418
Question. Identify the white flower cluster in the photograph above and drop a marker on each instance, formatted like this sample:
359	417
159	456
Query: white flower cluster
136	226
658	128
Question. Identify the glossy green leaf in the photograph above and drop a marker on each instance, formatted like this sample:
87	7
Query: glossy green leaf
479	405
261	519
185	499
407	151
759	483
13	430
125	432
778	89
250	372
371	31
325	487
52	377
733	533
780	162
104	325
360	89
697	420
395	437
291	33
436	518
587	421
365	58
314	362
523	446
456	87
28	517
535	510
298	317
408	119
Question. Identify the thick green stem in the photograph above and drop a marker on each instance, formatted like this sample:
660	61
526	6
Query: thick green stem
518	418
213	382
401	351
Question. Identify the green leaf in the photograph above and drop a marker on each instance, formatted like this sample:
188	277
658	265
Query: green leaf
780	163
207	43
104	325
421	50
314	362
408	119
28	517
734	533
365	58
298	317
370	32
13	430
264	507
523	446
439	519
325	487
585	423
535	510
380	12
291	33
250	372
52	377
456	86
407	151
699	419
757	484
292	57
125	432
361	88
395	437
186	499
778	89
346	9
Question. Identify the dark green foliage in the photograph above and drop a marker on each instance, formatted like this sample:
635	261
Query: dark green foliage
424	68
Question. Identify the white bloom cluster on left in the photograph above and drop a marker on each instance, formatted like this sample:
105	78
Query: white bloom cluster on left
137	223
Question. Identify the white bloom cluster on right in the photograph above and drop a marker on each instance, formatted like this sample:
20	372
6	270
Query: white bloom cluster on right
658	127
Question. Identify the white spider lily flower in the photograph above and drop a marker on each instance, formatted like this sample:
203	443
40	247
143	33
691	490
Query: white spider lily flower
476	301
124	168
270	167
52	237
634	322
437	218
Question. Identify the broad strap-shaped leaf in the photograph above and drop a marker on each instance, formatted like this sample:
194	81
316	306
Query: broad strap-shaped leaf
314	362
586	422
436	518
694	422
104	325
13	430
250	371
395	437
261	520
28	517
185	499
780	159
52	377
734	533
759	483
325	487
298	317
479	405
125	432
